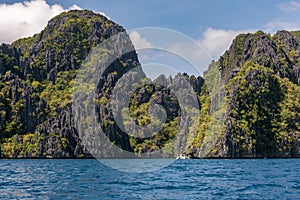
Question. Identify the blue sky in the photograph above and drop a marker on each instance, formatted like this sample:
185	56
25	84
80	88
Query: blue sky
192	16
211	23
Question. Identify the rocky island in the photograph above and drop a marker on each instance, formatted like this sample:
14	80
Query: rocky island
249	99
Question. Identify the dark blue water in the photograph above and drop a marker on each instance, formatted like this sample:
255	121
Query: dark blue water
184	179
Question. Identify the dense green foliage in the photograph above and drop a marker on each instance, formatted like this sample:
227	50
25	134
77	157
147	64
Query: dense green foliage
264	113
139	110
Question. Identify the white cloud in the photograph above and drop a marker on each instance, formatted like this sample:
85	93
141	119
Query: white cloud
138	41
24	19
217	41
102	13
211	45
289	6
274	26
75	7
193	52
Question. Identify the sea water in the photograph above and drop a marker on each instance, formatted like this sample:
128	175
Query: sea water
182	179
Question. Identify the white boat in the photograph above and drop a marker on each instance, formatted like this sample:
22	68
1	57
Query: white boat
182	156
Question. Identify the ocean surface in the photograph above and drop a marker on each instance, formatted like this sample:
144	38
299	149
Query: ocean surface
182	179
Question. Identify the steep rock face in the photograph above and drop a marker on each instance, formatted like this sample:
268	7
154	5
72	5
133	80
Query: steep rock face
37	75
261	77
63	44
172	95
249	123
279	53
21	107
9	58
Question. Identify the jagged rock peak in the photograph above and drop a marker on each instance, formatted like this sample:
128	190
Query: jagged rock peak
280	53
63	44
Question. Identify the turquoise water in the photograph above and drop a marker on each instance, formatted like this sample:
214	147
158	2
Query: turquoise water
183	179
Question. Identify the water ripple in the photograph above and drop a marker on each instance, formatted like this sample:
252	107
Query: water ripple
184	179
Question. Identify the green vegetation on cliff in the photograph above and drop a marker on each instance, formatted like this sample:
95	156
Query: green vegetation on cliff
261	110
261	76
37	75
